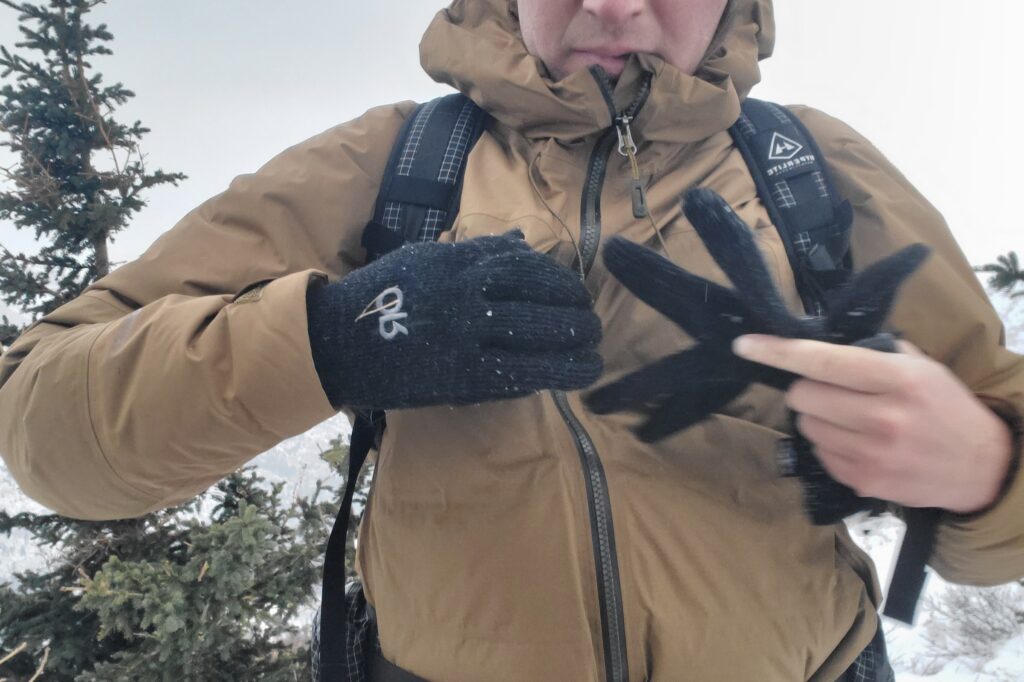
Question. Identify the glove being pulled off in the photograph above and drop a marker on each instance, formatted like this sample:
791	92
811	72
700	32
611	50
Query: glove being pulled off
453	324
685	388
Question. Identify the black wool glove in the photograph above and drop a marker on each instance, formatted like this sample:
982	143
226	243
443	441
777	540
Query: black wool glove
453	324
683	389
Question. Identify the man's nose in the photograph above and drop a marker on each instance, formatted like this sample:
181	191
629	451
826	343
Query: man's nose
614	12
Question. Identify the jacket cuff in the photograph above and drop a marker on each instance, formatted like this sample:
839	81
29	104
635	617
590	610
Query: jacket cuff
277	320
986	547
1013	420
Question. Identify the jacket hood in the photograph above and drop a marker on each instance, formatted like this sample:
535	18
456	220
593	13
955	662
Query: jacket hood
476	47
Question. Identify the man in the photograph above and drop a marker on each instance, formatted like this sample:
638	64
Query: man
528	538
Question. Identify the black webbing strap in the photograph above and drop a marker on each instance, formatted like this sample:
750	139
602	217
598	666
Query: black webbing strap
909	574
814	222
333	606
418	200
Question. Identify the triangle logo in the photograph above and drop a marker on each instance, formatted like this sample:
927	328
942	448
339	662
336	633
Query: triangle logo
783	149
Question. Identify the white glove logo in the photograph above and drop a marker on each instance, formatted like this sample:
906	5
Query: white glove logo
388	304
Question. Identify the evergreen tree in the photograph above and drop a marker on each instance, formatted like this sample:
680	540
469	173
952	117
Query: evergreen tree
80	175
221	587
212	589
1006	274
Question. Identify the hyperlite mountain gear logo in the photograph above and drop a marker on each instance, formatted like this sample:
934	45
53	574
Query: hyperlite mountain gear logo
783	148
790	154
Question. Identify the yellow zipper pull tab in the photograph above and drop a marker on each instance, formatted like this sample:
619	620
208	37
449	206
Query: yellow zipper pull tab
627	148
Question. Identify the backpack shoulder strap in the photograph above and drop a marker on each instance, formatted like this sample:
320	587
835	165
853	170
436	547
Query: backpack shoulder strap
332	664
814	222
418	200
801	199
422	186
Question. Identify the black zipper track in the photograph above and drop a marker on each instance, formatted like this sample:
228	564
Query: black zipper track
602	530
590	209
609	587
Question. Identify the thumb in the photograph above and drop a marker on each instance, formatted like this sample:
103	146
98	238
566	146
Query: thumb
908	348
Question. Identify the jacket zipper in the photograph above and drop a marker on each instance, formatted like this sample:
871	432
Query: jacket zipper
602	532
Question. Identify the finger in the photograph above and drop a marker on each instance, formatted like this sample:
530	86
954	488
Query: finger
530	277
641	387
535	327
860	309
520	373
907	348
653	382
850	410
491	245
859	369
731	243
839	467
827	436
689	407
705	310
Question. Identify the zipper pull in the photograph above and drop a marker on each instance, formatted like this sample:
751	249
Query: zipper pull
639	199
627	148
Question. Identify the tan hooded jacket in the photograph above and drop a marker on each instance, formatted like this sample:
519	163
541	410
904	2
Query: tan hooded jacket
526	539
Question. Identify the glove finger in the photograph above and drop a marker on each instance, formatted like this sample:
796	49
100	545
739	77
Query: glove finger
860	309
510	373
530	277
650	384
479	248
705	310
772	377
535	327
690	406
731	244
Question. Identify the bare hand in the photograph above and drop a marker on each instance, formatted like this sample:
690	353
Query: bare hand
896	426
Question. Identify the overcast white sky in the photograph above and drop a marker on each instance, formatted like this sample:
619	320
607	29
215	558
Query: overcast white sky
225	85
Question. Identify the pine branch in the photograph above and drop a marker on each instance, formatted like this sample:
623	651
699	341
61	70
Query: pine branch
21	647
42	665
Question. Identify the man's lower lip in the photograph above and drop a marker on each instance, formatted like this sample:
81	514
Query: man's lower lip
613	65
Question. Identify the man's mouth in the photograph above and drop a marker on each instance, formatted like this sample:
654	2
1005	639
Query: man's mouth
613	62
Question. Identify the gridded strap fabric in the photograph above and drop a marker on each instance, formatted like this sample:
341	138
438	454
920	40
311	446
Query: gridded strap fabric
361	646
872	664
795	186
420	194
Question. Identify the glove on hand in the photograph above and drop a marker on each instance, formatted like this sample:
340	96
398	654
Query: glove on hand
685	388
434	324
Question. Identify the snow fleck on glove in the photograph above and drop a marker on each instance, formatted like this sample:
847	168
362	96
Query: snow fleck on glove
453	324
683	389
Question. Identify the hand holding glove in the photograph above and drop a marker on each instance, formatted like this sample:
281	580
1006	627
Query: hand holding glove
685	388
453	324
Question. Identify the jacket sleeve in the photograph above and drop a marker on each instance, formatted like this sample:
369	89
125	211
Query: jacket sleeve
177	368
944	311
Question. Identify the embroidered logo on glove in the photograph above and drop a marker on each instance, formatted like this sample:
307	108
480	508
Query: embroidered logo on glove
388	304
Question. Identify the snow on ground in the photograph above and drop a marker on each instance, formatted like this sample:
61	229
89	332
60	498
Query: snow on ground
17	552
